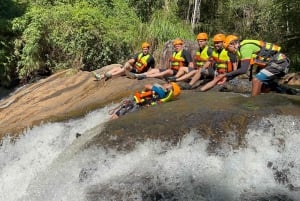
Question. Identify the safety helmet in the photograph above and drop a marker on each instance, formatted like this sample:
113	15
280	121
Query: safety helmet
176	89
202	36
177	42
229	39
145	45
219	37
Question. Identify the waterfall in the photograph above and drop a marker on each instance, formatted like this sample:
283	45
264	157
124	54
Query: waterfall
49	163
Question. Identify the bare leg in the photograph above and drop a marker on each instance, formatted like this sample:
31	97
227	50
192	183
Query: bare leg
196	77
256	87
152	71
114	116
212	83
158	74
182	71
186	76
117	71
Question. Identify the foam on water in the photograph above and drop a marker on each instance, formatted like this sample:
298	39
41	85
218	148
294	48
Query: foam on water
43	165
22	161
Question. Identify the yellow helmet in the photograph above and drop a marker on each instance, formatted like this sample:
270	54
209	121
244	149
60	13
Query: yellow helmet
177	42
202	36
229	39
219	37
145	45
176	89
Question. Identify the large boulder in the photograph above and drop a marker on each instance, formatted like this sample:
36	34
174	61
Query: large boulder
190	46
216	116
62	96
69	94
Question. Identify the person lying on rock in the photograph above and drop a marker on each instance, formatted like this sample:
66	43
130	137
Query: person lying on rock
141	62
152	94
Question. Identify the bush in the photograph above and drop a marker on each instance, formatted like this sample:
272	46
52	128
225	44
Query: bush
72	36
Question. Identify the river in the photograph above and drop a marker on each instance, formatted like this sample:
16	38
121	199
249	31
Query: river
49	163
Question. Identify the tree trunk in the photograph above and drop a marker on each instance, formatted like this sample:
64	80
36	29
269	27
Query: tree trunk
197	5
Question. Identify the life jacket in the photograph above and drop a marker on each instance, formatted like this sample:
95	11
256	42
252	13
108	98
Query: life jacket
202	56
177	60
149	98
142	62
222	61
265	54
141	97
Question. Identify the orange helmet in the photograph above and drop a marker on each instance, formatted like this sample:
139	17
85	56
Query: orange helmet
229	39
176	89
145	45
219	37
202	36
177	42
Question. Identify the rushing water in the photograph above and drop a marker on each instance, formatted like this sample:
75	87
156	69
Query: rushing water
48	163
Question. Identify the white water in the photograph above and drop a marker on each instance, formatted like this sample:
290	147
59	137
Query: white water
47	163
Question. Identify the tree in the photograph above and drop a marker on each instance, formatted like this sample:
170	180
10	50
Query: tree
8	10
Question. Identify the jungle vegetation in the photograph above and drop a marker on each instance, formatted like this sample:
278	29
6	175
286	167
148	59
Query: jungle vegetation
40	37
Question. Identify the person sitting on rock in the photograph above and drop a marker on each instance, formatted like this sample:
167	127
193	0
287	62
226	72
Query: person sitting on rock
225	62
202	55
217	61
139	63
180	59
152	94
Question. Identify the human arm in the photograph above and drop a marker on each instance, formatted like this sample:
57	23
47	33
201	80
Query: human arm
245	64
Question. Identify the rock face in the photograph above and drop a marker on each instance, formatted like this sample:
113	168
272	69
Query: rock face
292	79
62	96
216	116
70	94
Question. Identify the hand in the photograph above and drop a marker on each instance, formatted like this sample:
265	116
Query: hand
222	79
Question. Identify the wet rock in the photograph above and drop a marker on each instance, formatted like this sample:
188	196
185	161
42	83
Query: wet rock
64	95
70	94
222	118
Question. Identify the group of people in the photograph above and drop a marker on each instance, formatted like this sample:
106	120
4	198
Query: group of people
228	58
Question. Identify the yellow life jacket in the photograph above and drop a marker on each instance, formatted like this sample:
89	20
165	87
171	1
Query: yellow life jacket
203	56
177	60
222	60
142	62
168	97
265	54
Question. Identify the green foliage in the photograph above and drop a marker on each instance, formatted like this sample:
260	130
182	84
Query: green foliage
145	8
8	10
89	34
78	36
165	26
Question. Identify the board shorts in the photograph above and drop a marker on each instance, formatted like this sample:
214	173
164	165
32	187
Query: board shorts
273	70
207	73
159	90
